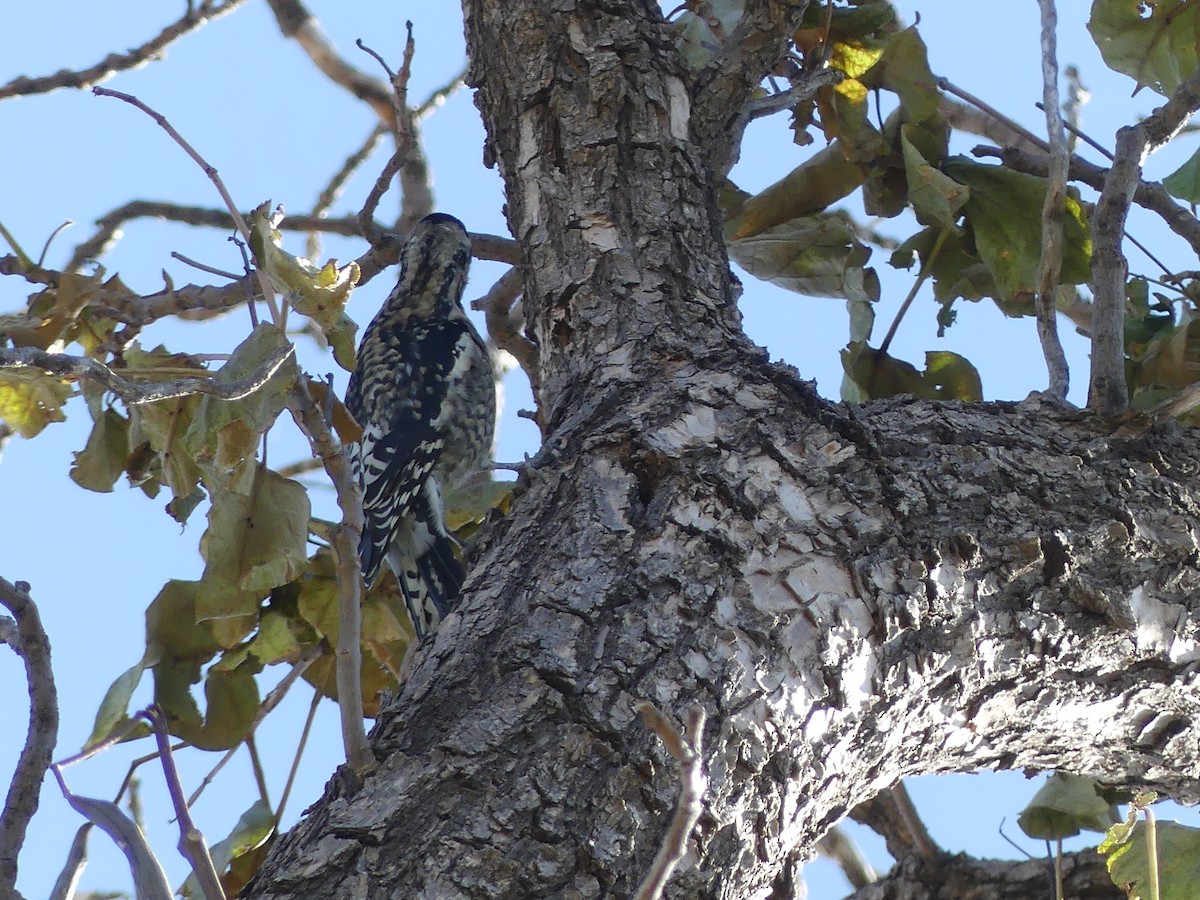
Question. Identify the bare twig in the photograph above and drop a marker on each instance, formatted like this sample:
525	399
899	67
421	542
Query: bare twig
161	120
192	19
83	367
191	840
36	756
304	734
344	539
109	226
687	746
1050	264
1025	133
1108	393
272	700
404	132
330	193
1077	96
297	23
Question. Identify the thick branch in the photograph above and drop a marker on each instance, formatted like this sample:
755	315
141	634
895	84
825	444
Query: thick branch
23	791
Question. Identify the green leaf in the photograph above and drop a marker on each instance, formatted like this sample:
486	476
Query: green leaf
936	198
1004	213
1184	182
231	703
1153	43
102	460
275	640
30	400
816	255
1178	860
114	708
1063	806
319	292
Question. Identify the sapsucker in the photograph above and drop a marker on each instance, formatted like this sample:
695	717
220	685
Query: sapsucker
424	393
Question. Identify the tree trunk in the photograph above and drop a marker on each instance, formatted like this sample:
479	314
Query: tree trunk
853	595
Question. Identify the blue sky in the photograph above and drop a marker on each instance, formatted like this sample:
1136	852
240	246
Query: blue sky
252	104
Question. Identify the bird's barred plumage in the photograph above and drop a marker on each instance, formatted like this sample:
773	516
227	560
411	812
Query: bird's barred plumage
424	394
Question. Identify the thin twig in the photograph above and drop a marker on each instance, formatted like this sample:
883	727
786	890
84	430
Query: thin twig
191	840
802	90
1050	264
21	802
211	270
330	193
946	85
1076	133
687	746
119	62
349	579
1077	96
297	23
922	275
213	176
83	367
1108	393
304	734
272	700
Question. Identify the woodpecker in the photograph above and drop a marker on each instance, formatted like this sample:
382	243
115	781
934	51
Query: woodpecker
424	393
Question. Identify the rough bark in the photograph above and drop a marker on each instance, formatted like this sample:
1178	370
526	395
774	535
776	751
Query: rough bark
853	595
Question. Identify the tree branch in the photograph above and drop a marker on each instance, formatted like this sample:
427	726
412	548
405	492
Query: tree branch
23	791
1108	393
84	367
687	746
119	62
344	539
1050	263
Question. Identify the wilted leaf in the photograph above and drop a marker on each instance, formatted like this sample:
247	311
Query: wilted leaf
30	400
1004	213
816	255
903	68
102	460
173	631
319	292
254	827
1065	805
874	375
817	183
223	435
254	543
231	703
936	197
1155	43
1184	182
1178	860
470	504
275	641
